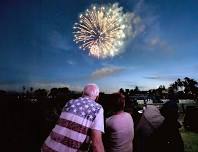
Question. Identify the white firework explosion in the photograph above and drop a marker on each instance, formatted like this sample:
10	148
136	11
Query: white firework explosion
102	30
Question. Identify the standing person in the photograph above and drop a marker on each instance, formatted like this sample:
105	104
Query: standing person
172	140
119	127
147	136
80	123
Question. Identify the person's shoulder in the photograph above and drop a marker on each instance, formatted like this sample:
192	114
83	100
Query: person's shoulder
95	104
74	100
128	117
98	105
127	114
98	108
68	103
92	103
109	119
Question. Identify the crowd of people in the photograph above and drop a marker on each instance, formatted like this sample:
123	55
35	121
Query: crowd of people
82	127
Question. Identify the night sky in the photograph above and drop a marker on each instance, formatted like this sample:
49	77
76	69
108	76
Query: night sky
37	48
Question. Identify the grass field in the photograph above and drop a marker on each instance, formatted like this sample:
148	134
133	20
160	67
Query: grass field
190	141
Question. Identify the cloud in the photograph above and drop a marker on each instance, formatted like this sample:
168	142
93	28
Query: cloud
106	71
138	26
156	42
153	77
139	5
163	78
149	19
147	28
70	62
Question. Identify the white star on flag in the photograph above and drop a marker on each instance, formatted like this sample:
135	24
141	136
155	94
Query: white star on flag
83	113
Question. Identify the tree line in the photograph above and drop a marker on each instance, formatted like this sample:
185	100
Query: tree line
186	88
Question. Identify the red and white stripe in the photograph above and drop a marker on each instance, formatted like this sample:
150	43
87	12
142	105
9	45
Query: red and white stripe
69	134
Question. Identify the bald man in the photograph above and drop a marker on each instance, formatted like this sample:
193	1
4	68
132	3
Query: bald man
80	125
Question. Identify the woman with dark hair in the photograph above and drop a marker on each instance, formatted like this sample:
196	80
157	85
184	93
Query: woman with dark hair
119	127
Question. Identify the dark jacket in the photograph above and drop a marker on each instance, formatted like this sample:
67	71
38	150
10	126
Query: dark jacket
150	121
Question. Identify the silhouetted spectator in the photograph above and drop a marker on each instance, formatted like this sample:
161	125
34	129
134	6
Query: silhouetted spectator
147	128
119	127
172	140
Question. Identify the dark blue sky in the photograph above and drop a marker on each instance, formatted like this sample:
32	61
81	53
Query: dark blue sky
37	48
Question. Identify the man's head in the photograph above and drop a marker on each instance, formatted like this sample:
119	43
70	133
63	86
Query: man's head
91	90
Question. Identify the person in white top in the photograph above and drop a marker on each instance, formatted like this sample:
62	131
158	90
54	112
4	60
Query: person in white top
119	132
80	124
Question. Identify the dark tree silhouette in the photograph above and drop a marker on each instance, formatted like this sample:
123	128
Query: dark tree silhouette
40	94
136	90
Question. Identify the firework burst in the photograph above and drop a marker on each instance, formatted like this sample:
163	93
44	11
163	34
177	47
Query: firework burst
102	30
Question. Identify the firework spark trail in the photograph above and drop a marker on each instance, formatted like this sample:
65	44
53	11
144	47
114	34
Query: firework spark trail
102	30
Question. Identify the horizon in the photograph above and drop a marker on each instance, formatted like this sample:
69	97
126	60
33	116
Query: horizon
37	48
23	88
